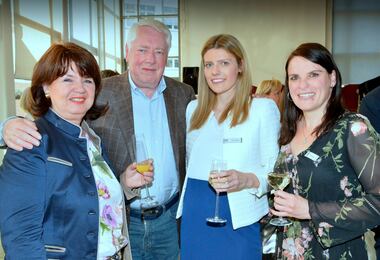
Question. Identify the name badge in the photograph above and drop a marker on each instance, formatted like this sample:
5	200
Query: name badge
314	157
232	140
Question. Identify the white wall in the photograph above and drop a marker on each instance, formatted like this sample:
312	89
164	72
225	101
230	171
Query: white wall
269	30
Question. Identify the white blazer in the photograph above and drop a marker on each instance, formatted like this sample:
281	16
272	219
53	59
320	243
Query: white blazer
250	147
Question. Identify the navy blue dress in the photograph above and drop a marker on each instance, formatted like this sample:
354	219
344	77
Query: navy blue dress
214	242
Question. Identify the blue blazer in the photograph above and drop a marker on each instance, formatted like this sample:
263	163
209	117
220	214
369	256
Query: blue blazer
48	197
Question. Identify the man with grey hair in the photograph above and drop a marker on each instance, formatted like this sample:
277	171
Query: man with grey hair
141	101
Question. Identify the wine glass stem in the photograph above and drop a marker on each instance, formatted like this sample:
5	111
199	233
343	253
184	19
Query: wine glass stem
147	190
217	205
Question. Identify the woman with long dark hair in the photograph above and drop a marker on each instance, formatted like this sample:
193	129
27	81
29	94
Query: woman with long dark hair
333	158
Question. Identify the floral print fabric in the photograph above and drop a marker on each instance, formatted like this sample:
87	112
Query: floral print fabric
111	205
339	174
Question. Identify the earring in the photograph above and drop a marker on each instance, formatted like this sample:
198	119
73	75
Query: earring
47	94
289	97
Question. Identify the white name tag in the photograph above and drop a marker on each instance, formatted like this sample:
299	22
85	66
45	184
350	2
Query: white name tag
232	140
314	157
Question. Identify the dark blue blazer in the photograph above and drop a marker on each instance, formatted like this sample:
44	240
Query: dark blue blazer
48	197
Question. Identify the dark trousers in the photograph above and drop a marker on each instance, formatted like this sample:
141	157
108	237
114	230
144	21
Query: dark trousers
377	239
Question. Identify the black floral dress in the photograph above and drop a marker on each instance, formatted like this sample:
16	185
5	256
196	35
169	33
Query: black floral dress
339	174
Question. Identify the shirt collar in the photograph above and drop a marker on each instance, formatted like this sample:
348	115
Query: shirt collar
70	128
62	124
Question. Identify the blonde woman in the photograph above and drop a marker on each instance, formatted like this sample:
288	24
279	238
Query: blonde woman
226	123
272	88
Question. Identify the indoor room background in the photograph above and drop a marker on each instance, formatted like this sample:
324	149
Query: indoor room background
269	30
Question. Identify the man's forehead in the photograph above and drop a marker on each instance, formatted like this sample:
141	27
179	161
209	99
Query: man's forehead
147	45
142	42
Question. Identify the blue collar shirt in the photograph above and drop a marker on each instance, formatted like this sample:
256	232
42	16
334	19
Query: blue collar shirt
150	119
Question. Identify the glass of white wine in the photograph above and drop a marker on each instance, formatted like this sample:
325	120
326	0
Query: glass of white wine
143	165
278	180
217	166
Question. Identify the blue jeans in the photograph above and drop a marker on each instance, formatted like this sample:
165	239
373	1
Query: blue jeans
155	239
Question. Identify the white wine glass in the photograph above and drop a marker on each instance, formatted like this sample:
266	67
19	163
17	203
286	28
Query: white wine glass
217	166
143	165
278	180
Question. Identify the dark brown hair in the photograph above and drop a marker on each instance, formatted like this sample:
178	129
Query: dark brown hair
318	54
106	73
55	63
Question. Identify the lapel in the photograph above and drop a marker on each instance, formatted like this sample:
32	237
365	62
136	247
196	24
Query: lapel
126	121
125	116
170	104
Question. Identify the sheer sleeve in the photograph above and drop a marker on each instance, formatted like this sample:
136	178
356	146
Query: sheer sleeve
340	221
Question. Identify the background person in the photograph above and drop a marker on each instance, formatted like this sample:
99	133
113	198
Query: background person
226	123
334	159
273	89
369	107
141	101
61	199
106	73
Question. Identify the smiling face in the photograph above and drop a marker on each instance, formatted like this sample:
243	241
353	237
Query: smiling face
310	85
221	71
147	57
71	95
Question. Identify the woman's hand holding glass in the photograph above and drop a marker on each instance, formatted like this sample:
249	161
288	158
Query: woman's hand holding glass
285	204
232	180
278	180
219	181
290	205
217	168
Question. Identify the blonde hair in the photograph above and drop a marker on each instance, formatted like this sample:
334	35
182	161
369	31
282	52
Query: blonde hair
239	105
26	99
267	86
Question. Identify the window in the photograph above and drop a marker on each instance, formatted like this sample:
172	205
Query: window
356	39
165	11
37	24
92	24
147	9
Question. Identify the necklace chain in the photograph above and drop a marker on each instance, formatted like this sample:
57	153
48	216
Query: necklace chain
305	137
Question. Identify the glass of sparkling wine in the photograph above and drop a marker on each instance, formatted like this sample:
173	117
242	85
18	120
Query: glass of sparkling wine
143	165
217	166
278	180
